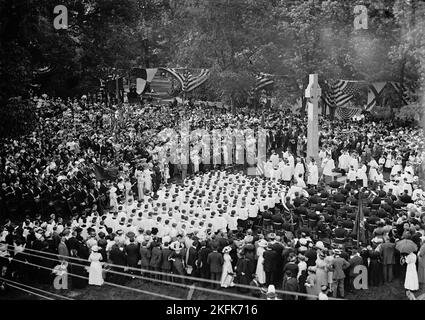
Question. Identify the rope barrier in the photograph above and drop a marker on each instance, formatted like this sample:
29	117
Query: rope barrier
30	292
161	281
173	275
108	283
34	288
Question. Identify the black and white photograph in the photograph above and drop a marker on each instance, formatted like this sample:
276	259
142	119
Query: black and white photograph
219	152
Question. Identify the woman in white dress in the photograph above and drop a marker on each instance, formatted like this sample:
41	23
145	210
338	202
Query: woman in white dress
95	269
299	169
321	270
379	176
166	172
259	272
411	281
362	175
113	202
313	173
140	183
373	167
227	271
147	177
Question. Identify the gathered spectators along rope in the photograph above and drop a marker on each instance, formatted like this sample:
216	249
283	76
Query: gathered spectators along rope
107	283
169	275
9	282
235	295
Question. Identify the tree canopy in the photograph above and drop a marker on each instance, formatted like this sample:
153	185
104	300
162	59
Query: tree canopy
235	38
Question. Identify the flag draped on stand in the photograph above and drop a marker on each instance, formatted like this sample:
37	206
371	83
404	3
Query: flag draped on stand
337	93
344	91
105	173
347	112
187	79
374	96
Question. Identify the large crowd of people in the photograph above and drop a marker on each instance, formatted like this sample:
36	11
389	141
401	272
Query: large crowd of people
293	227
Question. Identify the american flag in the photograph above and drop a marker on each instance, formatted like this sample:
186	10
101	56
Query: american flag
187	79
345	90
192	82
262	81
328	95
338	92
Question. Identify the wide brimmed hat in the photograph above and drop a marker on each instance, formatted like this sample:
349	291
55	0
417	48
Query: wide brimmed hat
227	249
320	245
262	243
176	246
95	248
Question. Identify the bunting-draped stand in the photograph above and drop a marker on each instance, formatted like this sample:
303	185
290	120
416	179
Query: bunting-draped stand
337	93
189	79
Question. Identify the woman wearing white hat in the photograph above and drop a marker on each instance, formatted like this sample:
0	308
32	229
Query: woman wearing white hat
227	271
95	269
311	283
259	272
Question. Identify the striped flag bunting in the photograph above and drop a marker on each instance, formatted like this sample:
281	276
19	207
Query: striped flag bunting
407	96
262	81
328	93
345	90
347	113
187	79
336	93
193	82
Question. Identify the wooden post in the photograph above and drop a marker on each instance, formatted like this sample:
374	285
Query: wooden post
312	93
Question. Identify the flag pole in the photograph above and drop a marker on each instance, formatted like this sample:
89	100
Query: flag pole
359	219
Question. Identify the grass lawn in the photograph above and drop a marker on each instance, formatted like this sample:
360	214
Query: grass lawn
389	291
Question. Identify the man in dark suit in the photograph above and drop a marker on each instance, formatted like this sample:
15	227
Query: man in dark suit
132	252
291	265
388	259
156	179
72	243
190	258
202	261
270	262
339	265
215	261
405	198
290	284
118	257
311	255
165	263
